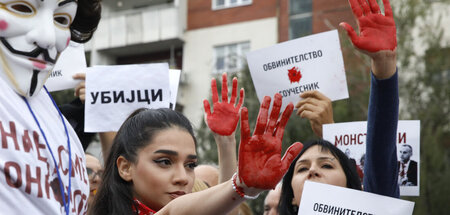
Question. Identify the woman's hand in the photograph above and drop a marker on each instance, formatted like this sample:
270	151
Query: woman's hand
225	116
260	162
317	108
377	37
377	31
80	89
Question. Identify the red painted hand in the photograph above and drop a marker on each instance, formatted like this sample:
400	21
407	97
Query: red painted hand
377	31
225	117
260	162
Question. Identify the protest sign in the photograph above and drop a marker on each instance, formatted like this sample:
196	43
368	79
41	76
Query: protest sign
174	79
350	137
316	199
293	67
114	92
71	61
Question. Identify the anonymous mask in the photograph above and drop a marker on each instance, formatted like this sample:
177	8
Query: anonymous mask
32	35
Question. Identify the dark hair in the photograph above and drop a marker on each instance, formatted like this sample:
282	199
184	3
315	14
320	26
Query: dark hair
407	145
362	159
285	205
86	20
115	194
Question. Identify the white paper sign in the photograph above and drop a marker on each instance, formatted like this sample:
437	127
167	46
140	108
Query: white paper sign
114	92
71	61
350	137
318	198
174	79
293	67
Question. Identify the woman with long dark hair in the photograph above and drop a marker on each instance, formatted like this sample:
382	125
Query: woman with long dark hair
150	166
124	178
320	160
45	174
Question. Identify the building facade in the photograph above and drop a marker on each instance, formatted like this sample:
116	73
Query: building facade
204	38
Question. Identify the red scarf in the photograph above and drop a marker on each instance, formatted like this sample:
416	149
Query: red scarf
143	209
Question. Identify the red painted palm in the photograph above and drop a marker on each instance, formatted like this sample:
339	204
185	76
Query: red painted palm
260	162
377	31
225	116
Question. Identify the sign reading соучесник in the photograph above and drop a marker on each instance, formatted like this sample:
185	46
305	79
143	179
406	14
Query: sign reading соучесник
293	67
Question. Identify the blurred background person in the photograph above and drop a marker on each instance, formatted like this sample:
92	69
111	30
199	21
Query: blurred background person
407	174
271	201
94	170
208	174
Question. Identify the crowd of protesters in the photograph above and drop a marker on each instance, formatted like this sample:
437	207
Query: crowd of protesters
150	162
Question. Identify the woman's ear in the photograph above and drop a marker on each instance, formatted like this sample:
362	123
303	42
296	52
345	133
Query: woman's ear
124	168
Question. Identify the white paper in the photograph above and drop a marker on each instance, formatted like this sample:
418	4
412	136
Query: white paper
350	137
318	58
134	81
71	61
174	79
318	198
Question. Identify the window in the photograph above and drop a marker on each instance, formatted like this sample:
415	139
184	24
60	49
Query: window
122	5
230	58
300	19
222	4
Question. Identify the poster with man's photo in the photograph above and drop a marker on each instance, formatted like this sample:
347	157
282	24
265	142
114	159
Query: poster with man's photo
350	137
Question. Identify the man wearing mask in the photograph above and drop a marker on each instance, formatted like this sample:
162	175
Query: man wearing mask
42	163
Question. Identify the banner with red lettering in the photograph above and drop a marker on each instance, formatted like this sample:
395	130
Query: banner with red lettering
29	180
309	63
114	92
350	137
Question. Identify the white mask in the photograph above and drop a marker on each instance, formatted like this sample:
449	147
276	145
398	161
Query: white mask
32	35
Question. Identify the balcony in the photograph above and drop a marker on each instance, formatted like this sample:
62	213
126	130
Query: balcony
134	30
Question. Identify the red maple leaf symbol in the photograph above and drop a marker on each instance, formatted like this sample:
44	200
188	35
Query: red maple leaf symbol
294	75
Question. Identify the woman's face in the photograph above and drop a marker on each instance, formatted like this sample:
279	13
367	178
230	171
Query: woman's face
318	166
165	168
95	170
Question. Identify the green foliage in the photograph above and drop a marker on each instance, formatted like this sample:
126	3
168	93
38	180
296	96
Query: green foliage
357	66
425	96
63	97
406	14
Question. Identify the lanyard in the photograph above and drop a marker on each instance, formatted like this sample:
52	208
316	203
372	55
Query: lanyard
61	185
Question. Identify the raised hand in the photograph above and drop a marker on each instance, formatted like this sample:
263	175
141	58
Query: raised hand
260	162
377	31
377	37
317	108
225	116
80	89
